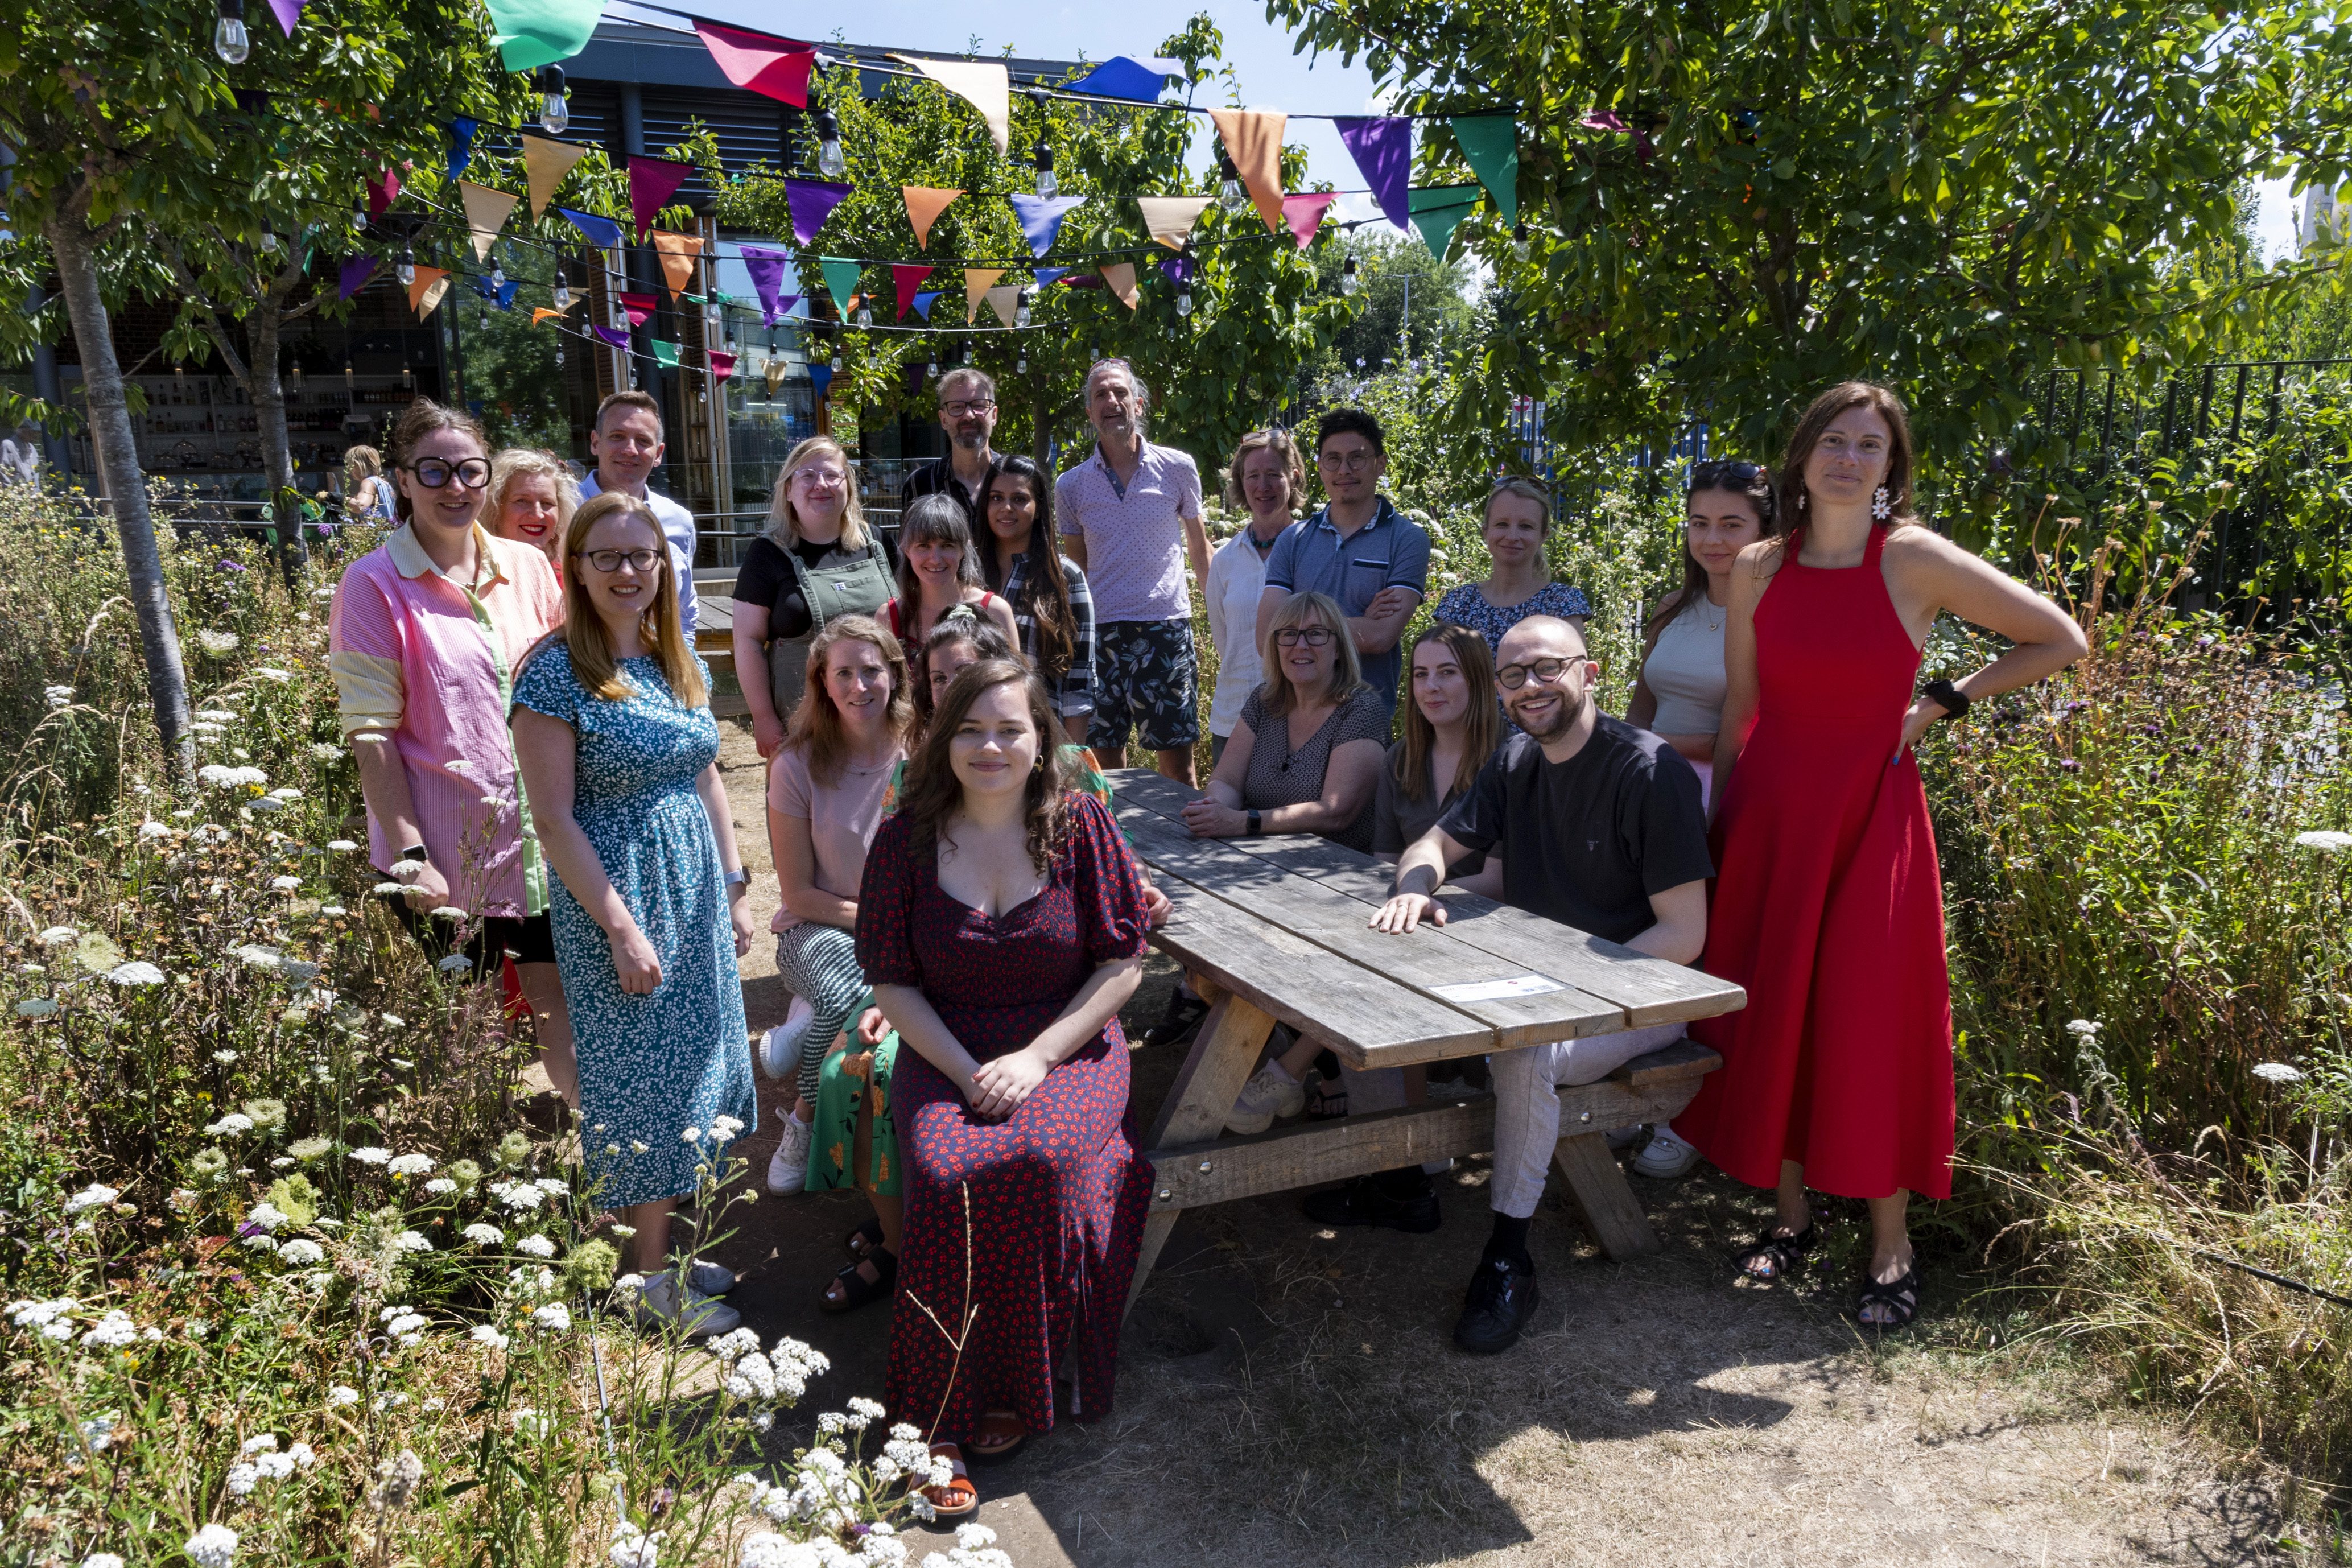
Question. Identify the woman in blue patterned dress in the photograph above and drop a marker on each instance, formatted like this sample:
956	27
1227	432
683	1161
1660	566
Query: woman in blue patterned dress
1516	526
618	751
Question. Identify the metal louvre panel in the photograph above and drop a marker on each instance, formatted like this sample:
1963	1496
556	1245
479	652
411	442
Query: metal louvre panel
749	131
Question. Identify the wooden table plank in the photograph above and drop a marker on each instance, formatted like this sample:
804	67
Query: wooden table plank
1648	990
1424	960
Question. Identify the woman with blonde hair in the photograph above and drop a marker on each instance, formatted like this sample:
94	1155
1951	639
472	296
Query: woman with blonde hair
1516	526
532	498
618	749
819	560
1267	479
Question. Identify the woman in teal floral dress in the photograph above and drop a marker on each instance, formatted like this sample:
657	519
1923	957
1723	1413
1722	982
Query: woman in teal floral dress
618	752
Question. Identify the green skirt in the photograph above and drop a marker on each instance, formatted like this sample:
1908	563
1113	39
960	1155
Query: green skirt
832	1150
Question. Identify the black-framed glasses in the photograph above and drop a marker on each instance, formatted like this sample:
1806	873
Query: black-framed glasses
960	409
432	473
1312	636
642	562
1544	670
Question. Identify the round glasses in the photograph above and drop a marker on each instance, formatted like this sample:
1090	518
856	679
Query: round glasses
432	473
1544	671
641	562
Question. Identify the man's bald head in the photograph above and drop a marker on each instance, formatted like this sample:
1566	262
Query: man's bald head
1541	636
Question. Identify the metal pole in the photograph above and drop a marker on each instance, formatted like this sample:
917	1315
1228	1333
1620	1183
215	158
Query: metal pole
2107	427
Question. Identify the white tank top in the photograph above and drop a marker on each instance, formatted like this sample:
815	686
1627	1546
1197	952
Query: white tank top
1684	670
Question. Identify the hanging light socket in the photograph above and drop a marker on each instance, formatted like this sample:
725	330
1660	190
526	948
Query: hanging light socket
406	271
829	159
1230	195
1046	183
230	40
554	113
1348	280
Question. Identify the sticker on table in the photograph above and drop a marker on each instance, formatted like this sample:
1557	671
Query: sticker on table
1499	990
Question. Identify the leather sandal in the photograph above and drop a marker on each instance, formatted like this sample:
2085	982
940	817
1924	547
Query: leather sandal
958	1499
857	1290
1781	1255
863	1240
998	1435
1900	1297
1183	1014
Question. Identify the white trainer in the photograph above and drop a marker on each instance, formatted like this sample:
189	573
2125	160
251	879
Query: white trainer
1271	1093
788	1166
663	1305
780	1047
1665	1156
711	1278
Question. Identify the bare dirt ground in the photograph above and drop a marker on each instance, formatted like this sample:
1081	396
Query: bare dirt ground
1291	1395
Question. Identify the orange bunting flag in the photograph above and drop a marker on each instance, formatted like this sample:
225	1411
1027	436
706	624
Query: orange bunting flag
540	313
1253	139
432	283
1119	276
924	206
678	254
976	282
544	165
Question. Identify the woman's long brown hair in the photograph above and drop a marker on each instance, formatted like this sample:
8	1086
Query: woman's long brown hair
1808	435
1480	735
934	792
815	730
1714	474
584	631
1044	595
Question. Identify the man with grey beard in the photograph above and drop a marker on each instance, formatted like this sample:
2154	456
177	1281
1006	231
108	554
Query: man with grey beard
1597	824
968	415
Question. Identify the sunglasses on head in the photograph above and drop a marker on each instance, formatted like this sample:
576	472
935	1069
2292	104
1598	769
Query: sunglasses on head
1715	470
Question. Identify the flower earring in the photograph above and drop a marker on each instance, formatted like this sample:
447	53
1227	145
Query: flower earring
1803	497
1881	507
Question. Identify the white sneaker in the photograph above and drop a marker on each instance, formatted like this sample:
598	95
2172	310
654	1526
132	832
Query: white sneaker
780	1047
1623	1138
1271	1093
662	1305
788	1166
711	1279
1665	1156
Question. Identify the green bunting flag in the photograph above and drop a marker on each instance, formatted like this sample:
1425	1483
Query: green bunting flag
840	279
666	352
534	33
1490	145
1436	209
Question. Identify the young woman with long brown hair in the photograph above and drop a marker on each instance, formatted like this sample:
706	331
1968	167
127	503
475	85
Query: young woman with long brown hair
1053	610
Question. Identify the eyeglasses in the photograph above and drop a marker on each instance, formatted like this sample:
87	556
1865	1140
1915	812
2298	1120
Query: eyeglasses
1312	636
821	478
960	409
1544	670
640	561
1354	462
432	473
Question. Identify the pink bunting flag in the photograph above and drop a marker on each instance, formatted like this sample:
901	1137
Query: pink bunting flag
776	67
382	191
1303	211
652	182
638	306
906	279
722	364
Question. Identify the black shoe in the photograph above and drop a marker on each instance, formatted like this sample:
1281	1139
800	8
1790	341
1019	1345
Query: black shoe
1375	1199
1501	1299
1184	1015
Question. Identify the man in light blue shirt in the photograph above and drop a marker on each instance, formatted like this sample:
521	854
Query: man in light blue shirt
626	442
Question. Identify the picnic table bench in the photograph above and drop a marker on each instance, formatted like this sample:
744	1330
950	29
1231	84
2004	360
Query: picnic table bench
1274	930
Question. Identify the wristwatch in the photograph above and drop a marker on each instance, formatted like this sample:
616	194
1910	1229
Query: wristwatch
1950	698
1256	828
736	878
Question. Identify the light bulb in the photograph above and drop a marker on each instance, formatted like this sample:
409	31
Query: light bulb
1021	308
406	271
829	160
229	39
932	366
1348	276
298	378
497	274
1520	240
559	353
554	114
359	218
1021	365
1184	301
268	243
1230	196
562	296
729	332
347	375
407	376
482	319
1046	183
837	362
865	316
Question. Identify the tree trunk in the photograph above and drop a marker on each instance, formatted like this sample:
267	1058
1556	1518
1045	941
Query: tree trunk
268	397
72	247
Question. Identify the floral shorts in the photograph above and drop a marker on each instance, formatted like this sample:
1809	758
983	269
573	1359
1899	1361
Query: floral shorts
1146	678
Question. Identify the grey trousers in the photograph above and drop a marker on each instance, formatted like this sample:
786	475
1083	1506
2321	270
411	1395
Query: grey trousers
1527	1104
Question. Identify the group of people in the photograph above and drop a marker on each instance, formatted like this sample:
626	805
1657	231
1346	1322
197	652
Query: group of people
962	920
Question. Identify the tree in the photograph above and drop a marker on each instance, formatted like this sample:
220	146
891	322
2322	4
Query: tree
1943	199
1395	276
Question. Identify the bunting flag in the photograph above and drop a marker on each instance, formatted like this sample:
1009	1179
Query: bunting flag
776	369
485	213
288	12
602	232
676	252
665	352
652	182
903	279
1382	149
502	295
775	67
638	306
616	336
925	301
425	294
1181	270
1607	119
1436	209
540	313
924	206
840	280
461	143
1119	276
977	281
1253	139
722	363
913	371
819	377
1041	218
1124	76
544	165
534	33
1170	219
1046	276
1303	211
812	201
382	191
1490	145
766	266
986	86
355	273
1005	300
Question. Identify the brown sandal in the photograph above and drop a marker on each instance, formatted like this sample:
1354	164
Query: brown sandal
996	1423
958	1499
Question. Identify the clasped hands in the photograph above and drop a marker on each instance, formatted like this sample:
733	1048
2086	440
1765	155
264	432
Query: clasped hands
995	1088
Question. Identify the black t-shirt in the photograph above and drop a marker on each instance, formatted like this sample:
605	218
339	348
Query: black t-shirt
1587	841
938	477
766	578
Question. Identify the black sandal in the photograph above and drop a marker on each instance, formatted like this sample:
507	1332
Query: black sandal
857	1290
1782	1252
869	1234
1183	1014
1899	1297
1326	1099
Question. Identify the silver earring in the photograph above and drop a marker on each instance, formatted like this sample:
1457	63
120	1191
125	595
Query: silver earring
1881	507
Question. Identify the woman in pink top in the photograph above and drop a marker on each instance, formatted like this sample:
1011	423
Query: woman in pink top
423	641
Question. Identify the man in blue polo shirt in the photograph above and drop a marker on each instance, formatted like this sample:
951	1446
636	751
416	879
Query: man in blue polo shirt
1359	548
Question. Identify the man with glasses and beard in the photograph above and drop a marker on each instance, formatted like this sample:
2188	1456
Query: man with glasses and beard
968	415
1597	824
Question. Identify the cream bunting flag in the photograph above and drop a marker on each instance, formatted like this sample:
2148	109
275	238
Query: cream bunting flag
988	87
485	213
678	254
1170	219
1005	302
1120	277
924	206
976	282
1253	139
426	293
544	165
776	369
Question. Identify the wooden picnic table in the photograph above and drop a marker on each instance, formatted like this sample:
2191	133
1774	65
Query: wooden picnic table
1276	930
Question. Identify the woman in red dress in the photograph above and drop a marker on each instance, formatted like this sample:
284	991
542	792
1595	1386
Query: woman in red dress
1828	906
1001	925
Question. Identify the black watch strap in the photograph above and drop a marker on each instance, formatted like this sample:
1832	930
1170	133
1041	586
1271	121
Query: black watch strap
415	852
1950	698
1256	828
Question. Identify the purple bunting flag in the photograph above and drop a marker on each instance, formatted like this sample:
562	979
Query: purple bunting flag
813	202
355	272
1384	151
914	373
288	12
766	264
616	336
1181	270
1041	218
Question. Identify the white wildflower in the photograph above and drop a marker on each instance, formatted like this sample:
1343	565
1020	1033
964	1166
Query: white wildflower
410	1164
522	1200
528	1423
441	1186
57	936
214	642
411	1241
486	1334
214	1546
264	1216
264	1443
97	1431
2084	1029
242	1479
484	1234
235	1122
112	1332
301	1454
393	1020
155	830
272	674
267	803
301	1253
332	910
449	913
556	1317
405	1321
342	1394
36	1007
91	1197
456	963
284	884
223	1056
536	1245
2278	1072
2326	840
139	972
101	1559
253	955
275	1466
389	889
553	1186
342	846
633	1549
371	1155
324	752
691	1135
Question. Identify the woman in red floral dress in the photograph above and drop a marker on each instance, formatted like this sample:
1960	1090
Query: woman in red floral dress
1001	925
